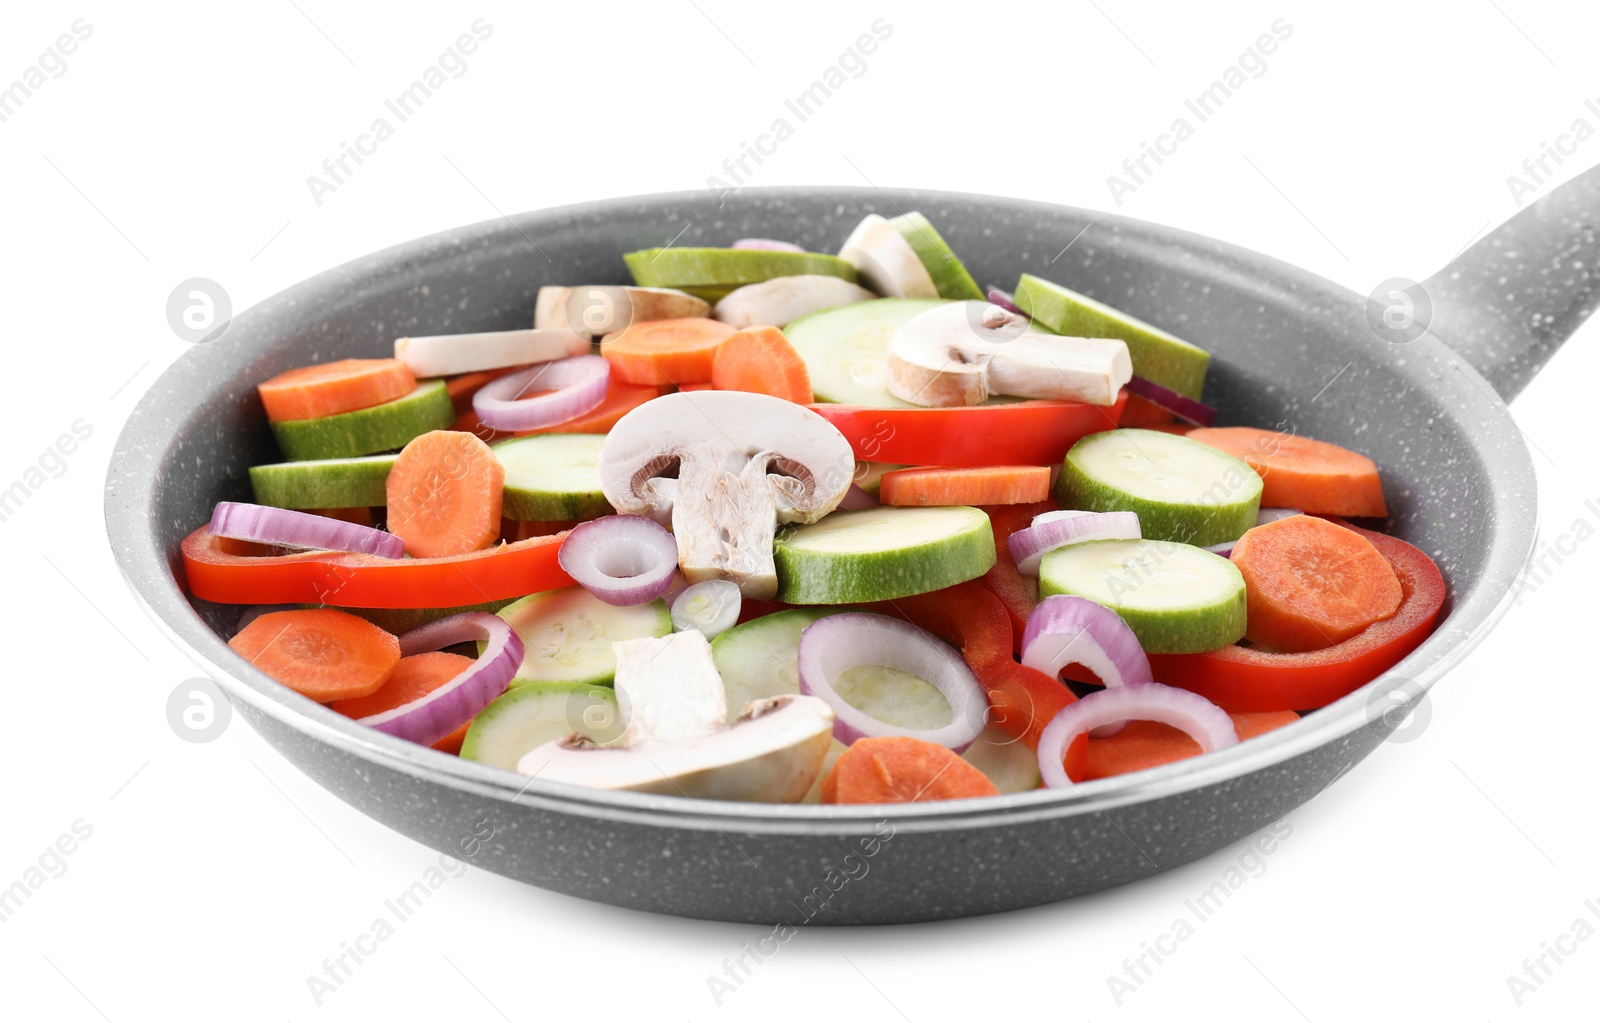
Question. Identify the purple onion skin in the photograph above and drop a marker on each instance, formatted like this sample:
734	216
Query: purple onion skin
1004	300
427	720
766	245
1184	407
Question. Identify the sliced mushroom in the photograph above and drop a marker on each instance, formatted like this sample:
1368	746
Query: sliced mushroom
723	469
595	309
886	261
772	753
961	353
783	299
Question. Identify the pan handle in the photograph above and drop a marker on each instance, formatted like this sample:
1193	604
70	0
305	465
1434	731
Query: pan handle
1512	298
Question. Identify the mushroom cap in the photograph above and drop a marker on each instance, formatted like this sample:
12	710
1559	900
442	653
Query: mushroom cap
808	461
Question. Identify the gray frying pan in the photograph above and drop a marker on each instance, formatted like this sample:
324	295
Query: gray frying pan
1431	412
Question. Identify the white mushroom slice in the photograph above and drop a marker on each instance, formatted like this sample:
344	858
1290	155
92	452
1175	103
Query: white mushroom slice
961	353
771	754
723	469
886	261
668	689
783	299
444	354
595	309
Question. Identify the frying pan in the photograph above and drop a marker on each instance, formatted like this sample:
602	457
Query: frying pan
1288	348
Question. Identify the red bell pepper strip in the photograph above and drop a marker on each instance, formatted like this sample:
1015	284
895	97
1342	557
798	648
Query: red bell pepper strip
1241	678
1017	592
1017	433
215	572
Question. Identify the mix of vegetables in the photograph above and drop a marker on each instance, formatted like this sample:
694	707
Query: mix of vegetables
781	526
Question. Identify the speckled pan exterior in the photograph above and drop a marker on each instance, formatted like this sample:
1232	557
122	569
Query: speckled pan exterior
1458	477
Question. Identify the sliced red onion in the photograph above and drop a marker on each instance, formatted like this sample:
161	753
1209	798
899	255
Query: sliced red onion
1180	405
1065	630
767	244
831	646
430	718
1190	713
1263	517
1005	301
284	528
622	559
576	385
710	607
1051	530
856	499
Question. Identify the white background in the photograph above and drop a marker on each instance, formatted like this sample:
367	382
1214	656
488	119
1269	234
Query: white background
177	144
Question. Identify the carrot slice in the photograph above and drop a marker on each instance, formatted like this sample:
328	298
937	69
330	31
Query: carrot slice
762	360
1310	584
1145	744
899	769
412	679
704	385
512	530
990	484
462	388
320	653
312	392
680	351
1019	593
444	495
621	399
468	422
1298	472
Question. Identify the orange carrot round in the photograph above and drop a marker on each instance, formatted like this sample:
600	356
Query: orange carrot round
444	495
1145	744
462	387
321	653
704	385
1310	584
899	769
1298	472
312	392
680	351
989	484
761	359
412	679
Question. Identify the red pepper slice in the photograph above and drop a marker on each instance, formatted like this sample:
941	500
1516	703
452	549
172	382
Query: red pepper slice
1017	592
215	573
1241	678
1018	433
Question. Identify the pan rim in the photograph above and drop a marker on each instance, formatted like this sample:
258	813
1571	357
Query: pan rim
135	547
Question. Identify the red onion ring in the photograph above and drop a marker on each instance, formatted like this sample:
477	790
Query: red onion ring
576	386
430	718
831	646
284	528
622	559
1065	630
767	244
1194	715
1005	301
1057	529
1180	405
